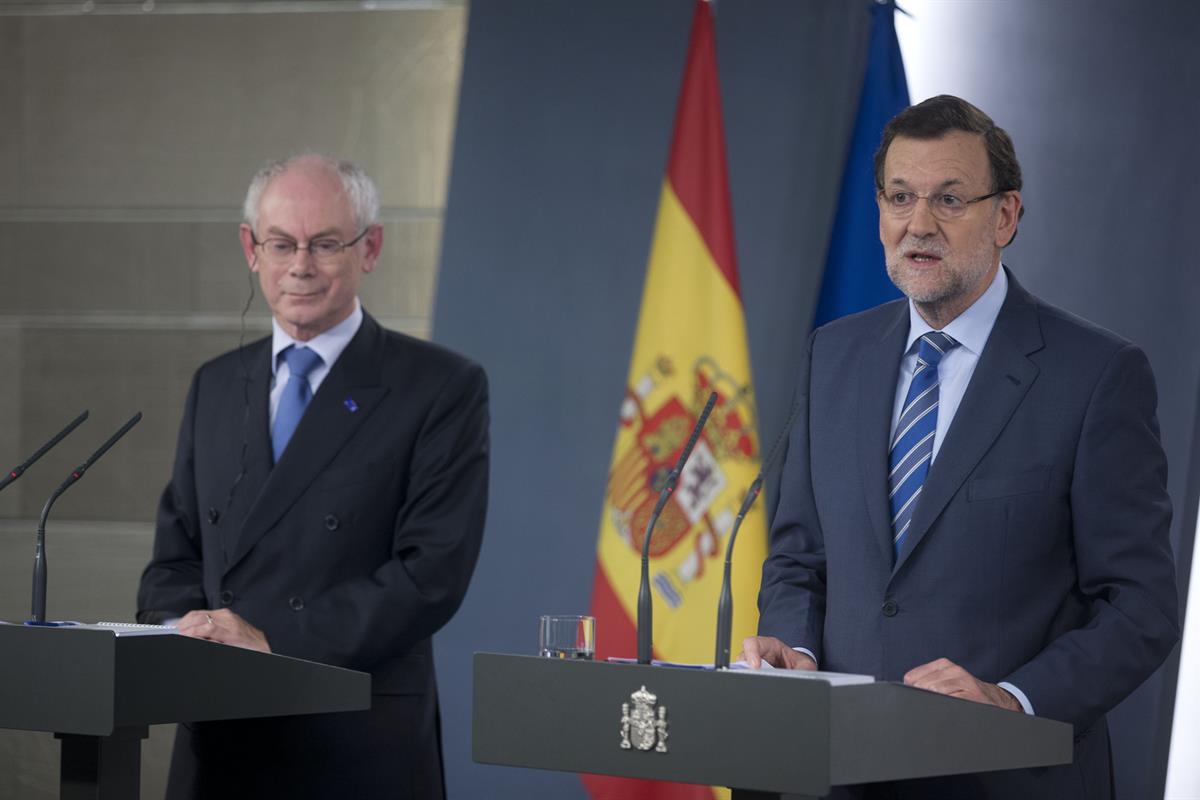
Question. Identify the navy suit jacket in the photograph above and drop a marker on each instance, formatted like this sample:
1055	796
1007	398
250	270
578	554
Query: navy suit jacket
1038	552
352	550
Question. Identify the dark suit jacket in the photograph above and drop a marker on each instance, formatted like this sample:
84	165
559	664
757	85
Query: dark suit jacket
1038	552
352	550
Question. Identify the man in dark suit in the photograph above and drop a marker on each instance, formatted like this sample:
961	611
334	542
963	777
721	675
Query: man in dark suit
974	497
327	502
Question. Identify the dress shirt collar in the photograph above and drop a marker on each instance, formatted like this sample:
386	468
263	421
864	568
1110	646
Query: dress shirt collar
972	327
328	345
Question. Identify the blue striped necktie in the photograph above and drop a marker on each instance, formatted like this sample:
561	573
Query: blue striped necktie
296	394
912	447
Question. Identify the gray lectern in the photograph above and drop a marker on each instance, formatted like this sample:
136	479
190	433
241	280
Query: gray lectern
98	692
756	732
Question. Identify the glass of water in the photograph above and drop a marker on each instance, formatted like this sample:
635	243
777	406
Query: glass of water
569	636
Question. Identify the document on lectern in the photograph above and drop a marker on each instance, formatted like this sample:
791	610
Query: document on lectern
118	628
832	678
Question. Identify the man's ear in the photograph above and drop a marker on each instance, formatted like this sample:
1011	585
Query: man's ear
374	246
1010	214
247	237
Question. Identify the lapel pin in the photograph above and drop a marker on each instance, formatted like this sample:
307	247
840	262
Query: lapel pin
350	404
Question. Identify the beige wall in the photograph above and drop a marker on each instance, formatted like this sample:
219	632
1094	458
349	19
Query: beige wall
125	145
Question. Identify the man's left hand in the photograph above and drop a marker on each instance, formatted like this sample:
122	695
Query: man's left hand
224	626
945	677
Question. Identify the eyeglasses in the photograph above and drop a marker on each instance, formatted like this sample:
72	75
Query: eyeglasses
326	248
901	203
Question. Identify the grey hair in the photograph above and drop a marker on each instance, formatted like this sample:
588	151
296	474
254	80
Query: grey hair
359	188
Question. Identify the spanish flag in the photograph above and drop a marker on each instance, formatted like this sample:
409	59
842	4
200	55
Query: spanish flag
691	341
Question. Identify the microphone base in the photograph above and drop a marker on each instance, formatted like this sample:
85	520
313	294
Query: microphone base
58	624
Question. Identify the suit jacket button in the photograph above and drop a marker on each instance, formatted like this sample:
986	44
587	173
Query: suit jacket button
890	609
331	522
296	603
214	516
226	597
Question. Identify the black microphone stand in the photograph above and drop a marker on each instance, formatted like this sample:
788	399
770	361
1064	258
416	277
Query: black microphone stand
645	606
725	604
39	554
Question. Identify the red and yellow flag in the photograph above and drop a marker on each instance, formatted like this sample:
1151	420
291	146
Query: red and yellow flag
691	340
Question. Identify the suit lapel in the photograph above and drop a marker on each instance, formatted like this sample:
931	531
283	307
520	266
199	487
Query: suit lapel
1001	380
877	391
346	398
255	464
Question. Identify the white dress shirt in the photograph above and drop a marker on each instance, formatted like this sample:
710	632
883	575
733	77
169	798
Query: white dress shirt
328	345
970	329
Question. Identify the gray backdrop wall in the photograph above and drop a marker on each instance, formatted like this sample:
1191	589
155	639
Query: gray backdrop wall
563	127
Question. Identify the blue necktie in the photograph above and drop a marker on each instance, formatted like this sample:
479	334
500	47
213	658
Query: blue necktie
912	447
296	395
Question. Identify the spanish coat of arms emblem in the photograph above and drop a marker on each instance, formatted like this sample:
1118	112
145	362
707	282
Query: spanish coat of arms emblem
644	726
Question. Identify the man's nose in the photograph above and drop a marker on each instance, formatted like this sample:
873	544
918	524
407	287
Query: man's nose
303	262
922	222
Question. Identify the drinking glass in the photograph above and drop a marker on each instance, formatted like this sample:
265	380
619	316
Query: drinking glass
568	636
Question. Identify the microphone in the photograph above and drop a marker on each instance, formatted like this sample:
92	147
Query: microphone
645	609
39	555
725	604
18	471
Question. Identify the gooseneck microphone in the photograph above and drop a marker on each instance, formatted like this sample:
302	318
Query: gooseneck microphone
725	604
645	609
19	470
39	555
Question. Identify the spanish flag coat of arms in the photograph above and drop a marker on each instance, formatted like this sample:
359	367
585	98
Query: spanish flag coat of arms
691	340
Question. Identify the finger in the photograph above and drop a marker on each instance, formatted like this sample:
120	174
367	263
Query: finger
950	686
192	620
946	677
925	671
188	620
204	631
752	652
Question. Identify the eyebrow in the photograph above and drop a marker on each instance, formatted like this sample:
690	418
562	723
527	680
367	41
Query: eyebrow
943	185
325	234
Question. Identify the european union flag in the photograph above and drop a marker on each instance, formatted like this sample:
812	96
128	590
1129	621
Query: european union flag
855	276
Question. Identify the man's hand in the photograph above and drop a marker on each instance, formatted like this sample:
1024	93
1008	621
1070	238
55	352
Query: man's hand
945	677
224	626
758	649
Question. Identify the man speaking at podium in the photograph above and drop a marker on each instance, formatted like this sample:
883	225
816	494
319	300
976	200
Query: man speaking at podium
974	497
327	502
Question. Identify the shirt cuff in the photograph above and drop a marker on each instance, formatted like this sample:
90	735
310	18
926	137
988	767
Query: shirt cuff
1017	693
808	653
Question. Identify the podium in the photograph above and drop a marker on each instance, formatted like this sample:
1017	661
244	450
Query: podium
98	692
760	733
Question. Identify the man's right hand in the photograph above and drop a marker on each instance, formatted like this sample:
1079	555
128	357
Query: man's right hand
224	626
757	649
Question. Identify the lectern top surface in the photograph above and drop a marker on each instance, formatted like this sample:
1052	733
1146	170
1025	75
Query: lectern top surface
117	628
